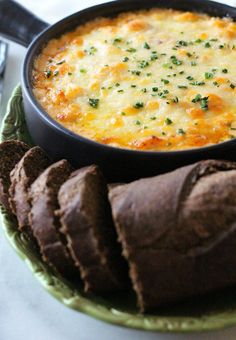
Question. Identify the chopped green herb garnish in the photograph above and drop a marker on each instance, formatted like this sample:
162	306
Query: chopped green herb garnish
207	44
155	89
182	43
144	90
181	72
56	73
138	122
154	57
143	64
224	70
94	102
182	86
136	72
117	40
69	74
198	41
145	45
83	70
193	63
48	73
153	118
232	86
197	98
133	85
181	132
165	81
176	61
123	113
168	121
204	103
120	91
148	74
197	83
91	50
131	50
175	100
189	78
125	59
209	75
138	105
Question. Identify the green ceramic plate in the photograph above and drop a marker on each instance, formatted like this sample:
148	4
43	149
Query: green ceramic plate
208	313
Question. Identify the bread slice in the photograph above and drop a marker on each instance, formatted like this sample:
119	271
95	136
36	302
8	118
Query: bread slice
45	225
86	221
178	232
10	154
31	165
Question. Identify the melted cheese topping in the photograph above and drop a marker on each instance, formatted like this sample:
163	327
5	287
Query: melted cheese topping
150	80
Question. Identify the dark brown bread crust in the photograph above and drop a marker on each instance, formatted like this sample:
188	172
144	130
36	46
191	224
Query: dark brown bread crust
178	231
10	154
86	221
44	223
33	163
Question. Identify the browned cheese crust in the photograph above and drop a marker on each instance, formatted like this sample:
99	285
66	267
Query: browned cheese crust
178	232
44	223
86	221
10	154
33	163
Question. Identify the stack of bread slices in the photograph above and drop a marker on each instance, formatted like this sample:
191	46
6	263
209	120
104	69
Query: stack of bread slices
172	236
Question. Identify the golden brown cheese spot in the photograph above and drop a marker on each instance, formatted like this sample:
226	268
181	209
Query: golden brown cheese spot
137	25
148	80
195	112
148	143
216	103
188	16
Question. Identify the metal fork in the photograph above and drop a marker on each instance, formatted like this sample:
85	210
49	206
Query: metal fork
3	61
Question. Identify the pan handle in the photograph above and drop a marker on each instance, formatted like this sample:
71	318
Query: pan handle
18	24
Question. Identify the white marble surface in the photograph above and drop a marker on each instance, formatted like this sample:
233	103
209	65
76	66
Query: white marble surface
27	312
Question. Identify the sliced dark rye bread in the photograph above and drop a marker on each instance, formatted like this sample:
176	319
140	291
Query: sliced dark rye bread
45	225
86	220
31	165
10	154
178	232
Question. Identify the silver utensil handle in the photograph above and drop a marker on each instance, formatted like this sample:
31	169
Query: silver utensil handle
3	61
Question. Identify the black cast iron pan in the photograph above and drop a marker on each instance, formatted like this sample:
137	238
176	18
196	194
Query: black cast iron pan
118	164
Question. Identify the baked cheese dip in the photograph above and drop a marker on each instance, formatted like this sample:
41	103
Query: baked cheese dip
148	80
